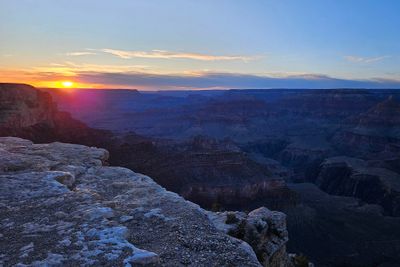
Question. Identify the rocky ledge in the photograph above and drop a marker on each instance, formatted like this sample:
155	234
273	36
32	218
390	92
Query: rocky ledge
60	205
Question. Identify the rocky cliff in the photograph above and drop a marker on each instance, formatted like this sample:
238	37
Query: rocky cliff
263	229
23	106
60	205
30	113
202	170
356	178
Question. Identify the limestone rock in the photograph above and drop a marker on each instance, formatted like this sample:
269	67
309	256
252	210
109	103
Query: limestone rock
264	230
60	206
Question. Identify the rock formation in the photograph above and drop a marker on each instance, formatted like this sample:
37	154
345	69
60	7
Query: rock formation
374	133
59	205
23	106
355	178
341	231
31	113
205	172
263	229
202	169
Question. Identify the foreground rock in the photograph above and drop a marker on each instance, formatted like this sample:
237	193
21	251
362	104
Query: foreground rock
263	229
60	206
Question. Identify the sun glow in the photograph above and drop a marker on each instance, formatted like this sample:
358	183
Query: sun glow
67	84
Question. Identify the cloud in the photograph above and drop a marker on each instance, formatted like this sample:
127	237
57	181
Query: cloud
71	69
357	59
228	81
143	77
75	54
162	54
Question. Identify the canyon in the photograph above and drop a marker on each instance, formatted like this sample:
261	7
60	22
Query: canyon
61	204
328	159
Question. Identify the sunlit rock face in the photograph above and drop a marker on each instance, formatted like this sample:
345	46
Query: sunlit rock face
61	206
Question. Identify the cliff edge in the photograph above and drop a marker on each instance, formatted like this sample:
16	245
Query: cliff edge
60	205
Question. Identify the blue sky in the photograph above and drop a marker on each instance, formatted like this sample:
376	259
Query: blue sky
94	42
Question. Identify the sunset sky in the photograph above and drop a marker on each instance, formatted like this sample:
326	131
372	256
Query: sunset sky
184	44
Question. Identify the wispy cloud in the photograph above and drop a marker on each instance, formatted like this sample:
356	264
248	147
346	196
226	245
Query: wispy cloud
113	76
83	53
209	80
357	59
71	69
163	54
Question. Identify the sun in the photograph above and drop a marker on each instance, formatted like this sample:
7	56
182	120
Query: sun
67	84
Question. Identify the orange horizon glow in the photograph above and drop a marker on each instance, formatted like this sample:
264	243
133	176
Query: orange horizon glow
75	85
63	84
54	80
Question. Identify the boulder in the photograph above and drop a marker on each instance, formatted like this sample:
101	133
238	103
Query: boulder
264	230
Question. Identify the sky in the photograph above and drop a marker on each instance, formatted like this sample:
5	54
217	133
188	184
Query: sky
191	44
